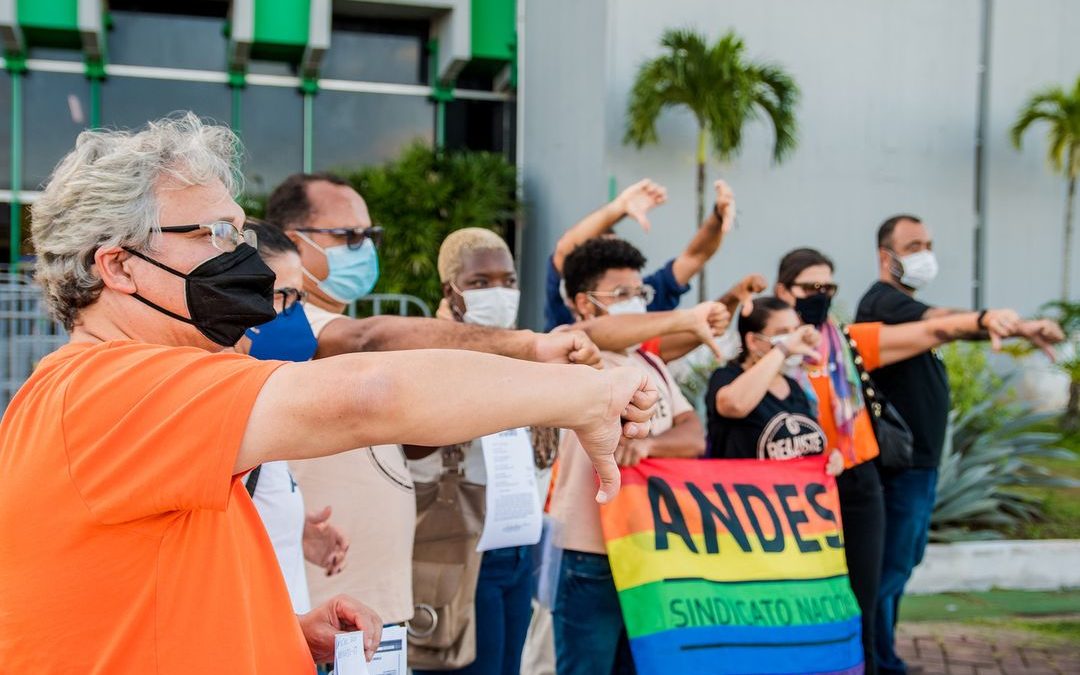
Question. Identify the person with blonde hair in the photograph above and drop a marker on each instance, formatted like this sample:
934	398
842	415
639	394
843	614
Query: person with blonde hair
128	444
480	287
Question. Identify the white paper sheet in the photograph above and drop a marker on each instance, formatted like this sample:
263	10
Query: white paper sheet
390	658
513	515
349	654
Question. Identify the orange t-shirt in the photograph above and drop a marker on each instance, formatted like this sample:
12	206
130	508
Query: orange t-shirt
126	544
866	337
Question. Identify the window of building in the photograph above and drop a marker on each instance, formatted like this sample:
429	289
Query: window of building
381	51
57	108
5	131
353	129
151	37
272	129
129	102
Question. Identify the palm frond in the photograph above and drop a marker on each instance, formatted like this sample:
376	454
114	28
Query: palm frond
720	87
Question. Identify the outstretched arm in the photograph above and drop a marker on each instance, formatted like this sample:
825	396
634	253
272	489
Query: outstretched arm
698	325
435	398
395	333
677	345
707	239
635	201
902	341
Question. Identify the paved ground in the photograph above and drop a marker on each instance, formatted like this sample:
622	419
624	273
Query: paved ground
959	649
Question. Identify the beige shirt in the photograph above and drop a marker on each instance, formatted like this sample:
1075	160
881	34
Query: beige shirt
374	504
573	503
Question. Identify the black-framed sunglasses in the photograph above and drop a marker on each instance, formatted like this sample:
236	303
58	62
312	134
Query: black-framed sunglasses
290	297
817	288
354	236
224	236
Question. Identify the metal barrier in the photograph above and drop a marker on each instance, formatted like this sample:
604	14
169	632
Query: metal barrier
407	305
28	333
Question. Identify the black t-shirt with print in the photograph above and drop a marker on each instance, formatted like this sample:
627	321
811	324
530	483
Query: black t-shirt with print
775	429
917	387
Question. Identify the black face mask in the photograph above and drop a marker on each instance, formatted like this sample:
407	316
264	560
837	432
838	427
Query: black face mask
226	295
814	309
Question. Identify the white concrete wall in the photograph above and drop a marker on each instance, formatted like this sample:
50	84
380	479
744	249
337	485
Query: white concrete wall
887	124
1034	45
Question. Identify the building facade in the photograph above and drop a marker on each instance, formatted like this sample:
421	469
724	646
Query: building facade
906	107
307	84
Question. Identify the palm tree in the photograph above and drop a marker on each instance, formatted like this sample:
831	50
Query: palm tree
1061	110
722	88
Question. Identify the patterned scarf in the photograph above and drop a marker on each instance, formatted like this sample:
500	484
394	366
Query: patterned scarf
847	399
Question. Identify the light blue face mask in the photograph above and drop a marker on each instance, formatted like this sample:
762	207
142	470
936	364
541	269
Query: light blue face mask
352	272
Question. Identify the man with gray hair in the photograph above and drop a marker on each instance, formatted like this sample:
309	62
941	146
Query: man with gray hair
122	454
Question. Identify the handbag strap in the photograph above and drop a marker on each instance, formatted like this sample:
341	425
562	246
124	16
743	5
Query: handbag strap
874	401
253	480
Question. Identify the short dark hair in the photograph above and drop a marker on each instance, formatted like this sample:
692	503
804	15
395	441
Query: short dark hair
885	232
289	206
589	261
763	308
272	240
792	264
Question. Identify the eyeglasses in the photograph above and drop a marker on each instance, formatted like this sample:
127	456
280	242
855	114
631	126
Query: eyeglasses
224	236
622	294
290	297
354	236
817	288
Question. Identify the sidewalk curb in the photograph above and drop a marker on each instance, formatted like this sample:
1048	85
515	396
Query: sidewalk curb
1042	565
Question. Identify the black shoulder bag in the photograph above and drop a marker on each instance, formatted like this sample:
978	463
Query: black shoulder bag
893	435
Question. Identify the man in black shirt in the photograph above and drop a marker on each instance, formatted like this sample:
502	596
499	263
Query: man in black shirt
919	389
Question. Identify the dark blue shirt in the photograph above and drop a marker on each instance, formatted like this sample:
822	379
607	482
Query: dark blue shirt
668	293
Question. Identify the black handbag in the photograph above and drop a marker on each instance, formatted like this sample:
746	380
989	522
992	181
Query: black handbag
895	441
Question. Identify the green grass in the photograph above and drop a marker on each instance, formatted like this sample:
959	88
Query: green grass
989	605
1061	506
1066	629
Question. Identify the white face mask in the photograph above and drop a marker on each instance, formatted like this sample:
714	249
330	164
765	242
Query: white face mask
919	269
632	306
495	307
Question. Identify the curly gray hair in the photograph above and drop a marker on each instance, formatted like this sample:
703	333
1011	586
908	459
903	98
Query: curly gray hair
103	193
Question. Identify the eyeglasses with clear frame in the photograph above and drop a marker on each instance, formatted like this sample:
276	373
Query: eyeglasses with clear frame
224	236
622	294
354	236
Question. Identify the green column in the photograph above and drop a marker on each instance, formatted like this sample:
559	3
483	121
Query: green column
442	92
309	86
95	72
237	82
17	67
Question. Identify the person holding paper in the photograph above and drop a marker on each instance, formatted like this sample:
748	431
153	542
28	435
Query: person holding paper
128	444
480	287
297	536
603	278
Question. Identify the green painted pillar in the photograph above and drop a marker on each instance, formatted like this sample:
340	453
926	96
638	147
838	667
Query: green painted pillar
17	67
309	86
95	72
442	92
237	82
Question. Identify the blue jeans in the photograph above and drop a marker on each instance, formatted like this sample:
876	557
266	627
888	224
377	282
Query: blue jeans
590	638
909	503
503	610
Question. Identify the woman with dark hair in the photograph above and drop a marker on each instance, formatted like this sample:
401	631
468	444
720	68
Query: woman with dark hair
758	408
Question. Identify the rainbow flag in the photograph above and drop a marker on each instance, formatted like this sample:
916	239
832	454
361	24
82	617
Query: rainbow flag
733	566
